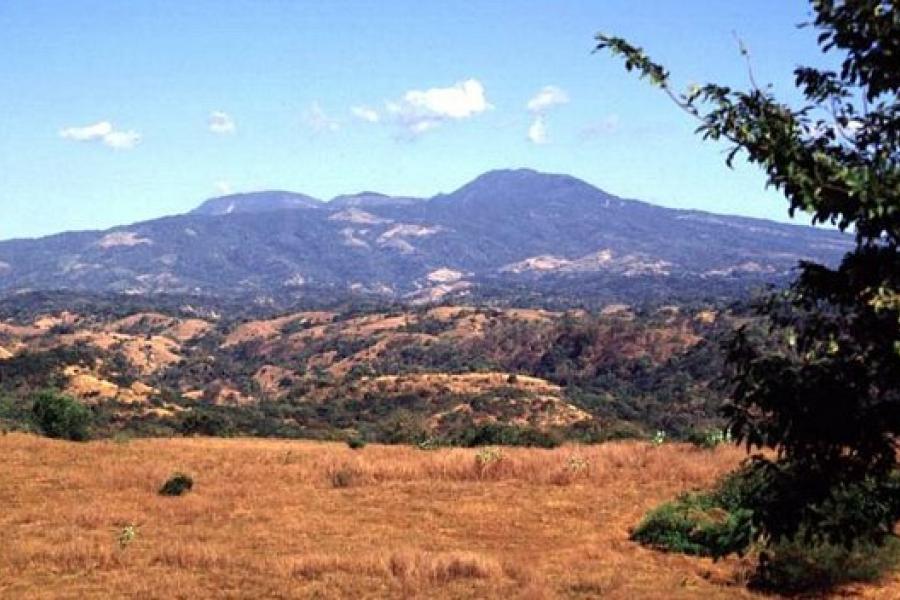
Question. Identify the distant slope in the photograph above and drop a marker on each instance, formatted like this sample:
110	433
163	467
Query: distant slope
256	202
509	228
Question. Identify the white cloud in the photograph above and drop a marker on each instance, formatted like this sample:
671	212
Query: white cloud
537	132
221	122
88	132
419	111
318	120
122	140
365	113
548	97
102	132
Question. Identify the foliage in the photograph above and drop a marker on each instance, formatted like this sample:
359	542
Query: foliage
177	485
60	416
203	421
797	567
709	439
714	523
498	434
127	535
356	443
822	388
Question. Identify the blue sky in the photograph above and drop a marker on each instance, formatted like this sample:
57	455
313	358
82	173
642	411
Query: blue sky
114	112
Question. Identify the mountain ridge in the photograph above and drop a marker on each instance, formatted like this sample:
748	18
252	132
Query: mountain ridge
505	225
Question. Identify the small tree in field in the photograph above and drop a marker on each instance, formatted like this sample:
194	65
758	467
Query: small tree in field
60	416
822	389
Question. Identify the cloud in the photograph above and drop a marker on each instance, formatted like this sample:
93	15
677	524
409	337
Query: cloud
364	113
104	133
221	123
122	140
88	132
537	132
419	111
548	97
318	120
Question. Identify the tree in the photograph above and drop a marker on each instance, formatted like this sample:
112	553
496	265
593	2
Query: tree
823	387
60	416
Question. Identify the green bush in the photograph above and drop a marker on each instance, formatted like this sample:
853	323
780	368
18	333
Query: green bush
708	439
795	567
206	421
498	434
177	485
356	443
696	523
721	521
712	523
60	416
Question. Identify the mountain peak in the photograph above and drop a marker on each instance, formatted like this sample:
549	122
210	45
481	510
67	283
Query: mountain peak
513	187
256	202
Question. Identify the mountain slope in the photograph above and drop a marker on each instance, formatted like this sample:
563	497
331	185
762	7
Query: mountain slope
256	202
506	227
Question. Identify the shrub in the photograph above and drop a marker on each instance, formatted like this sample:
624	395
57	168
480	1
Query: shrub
201	421
795	567
498	434
61	416
695	523
356	443
713	523
708	439
127	535
347	475
177	485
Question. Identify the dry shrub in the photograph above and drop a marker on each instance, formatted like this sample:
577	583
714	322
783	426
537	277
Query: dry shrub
442	568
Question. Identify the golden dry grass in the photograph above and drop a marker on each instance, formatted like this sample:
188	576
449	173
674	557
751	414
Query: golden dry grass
291	519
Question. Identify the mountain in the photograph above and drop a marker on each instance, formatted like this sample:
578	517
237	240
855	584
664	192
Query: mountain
255	202
370	200
506	230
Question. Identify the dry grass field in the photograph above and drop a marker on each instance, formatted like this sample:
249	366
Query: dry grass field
287	519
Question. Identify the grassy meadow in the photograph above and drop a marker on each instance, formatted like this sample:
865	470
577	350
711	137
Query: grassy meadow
289	519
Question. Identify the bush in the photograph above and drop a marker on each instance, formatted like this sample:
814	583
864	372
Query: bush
62	417
795	567
720	522
708	439
713	523
177	485
696	523
498	434
201	421
356	443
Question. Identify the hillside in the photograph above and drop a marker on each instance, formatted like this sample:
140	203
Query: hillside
504	230
445	374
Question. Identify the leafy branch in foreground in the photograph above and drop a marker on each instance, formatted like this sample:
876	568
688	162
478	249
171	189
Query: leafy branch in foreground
822	388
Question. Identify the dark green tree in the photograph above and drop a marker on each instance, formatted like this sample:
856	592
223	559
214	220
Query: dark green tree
821	387
60	416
